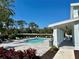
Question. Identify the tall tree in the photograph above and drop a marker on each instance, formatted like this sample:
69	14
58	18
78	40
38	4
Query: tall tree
21	23
33	27
10	23
6	12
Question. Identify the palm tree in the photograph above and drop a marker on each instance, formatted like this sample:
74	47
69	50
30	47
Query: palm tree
33	27
10	23
21	24
6	9
6	12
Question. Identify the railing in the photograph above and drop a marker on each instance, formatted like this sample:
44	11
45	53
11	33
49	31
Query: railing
33	34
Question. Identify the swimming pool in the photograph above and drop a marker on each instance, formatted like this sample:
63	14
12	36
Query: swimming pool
35	41
25	42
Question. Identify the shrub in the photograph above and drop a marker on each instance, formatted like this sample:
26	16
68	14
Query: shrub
12	54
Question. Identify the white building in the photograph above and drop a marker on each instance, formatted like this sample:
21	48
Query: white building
72	24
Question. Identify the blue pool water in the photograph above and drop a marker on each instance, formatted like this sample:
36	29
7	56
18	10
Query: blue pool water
35	40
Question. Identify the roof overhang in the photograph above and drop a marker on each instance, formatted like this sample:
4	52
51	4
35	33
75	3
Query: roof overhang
74	4
70	21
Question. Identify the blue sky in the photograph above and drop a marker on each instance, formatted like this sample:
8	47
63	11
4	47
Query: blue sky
42	12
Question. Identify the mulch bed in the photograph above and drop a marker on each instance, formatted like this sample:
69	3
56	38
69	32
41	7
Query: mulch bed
76	52
49	54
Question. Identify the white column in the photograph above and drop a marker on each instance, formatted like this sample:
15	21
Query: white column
58	36
76	36
71	12
73	35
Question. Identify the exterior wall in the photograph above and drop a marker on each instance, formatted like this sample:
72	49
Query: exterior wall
55	37
71	14
58	35
74	12
76	36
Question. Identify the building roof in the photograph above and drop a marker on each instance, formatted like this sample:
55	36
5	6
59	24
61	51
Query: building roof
74	4
69	21
64	22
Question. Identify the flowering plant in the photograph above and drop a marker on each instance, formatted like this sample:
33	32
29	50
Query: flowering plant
12	54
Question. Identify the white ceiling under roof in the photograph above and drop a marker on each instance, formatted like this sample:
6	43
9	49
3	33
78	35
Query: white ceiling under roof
70	21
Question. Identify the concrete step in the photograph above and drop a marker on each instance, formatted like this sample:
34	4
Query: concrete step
65	54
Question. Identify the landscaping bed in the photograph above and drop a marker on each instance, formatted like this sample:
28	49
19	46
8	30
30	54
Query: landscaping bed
50	54
76	52
26	54
12	54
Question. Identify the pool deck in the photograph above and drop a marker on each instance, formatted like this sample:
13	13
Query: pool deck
64	54
41	48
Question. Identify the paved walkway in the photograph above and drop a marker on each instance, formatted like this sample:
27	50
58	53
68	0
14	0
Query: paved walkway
67	42
65	54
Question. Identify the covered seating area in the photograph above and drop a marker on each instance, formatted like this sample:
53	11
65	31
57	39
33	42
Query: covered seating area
60	36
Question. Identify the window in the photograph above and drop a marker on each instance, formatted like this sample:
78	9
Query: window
76	13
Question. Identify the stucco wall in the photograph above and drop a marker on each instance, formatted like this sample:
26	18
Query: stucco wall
76	36
58	35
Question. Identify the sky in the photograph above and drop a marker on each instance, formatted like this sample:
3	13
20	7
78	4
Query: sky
42	12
